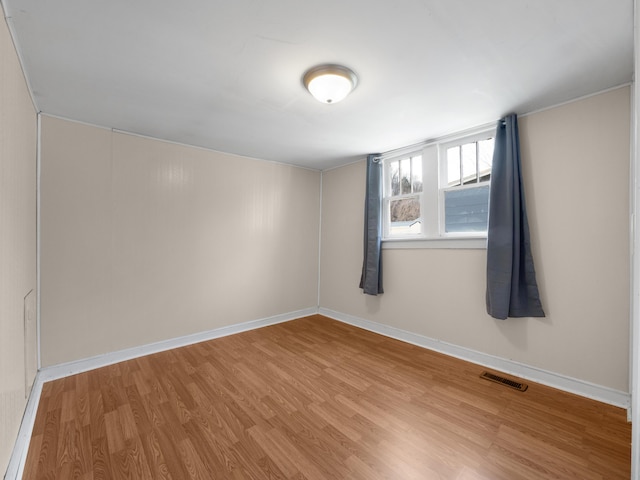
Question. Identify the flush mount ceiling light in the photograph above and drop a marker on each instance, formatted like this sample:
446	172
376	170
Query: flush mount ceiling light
330	83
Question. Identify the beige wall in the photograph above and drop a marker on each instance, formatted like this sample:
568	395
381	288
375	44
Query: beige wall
144	240
576	169
18	132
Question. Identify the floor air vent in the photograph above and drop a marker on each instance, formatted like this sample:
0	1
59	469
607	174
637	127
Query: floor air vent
504	381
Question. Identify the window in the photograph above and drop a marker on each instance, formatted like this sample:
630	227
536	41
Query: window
440	190
403	195
464	184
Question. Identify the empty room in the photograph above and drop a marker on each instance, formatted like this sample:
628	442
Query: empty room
346	240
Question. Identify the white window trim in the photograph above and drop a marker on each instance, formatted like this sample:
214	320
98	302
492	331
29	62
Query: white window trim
432	203
469	243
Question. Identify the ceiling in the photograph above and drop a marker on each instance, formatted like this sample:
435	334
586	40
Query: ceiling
226	75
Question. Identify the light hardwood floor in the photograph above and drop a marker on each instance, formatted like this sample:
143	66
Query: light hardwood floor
316	399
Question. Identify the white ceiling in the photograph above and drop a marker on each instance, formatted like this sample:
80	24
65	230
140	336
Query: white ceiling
226	75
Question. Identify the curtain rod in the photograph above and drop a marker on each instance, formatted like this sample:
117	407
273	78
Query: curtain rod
442	139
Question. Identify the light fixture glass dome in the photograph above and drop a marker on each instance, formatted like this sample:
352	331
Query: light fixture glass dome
330	83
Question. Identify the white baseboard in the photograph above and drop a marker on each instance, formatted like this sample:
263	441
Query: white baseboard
534	374
65	369
561	382
46	374
21	447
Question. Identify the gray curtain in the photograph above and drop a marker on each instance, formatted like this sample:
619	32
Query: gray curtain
371	279
512	290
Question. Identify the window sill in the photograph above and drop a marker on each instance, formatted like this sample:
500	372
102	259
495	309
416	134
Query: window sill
469	243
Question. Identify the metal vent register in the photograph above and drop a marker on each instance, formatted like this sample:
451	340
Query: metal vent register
504	381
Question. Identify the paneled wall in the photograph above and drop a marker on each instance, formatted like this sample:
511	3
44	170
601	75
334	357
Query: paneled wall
144	240
18	132
576	170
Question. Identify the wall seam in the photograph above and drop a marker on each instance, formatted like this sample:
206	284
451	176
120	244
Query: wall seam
320	240
38	236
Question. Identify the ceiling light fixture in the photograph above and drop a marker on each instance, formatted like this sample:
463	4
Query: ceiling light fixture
330	83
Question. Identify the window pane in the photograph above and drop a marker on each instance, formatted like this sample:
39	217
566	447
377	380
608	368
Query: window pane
394	174
469	167
405	216
405	210
466	210
453	166
416	173
485	158
405	176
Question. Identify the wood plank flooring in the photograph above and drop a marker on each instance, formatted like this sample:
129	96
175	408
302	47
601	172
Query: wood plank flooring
316	399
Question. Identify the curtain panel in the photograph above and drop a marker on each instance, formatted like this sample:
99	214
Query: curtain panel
371	279
512	290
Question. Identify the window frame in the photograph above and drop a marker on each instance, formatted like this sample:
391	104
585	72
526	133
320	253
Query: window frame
387	199
434	184
443	180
